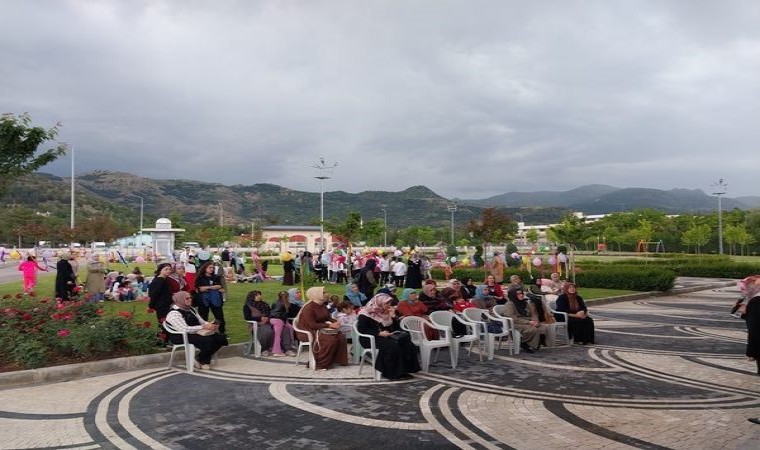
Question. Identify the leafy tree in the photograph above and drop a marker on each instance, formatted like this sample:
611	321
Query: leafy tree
346	231
494	226
372	231
19	144
696	236
570	231
532	236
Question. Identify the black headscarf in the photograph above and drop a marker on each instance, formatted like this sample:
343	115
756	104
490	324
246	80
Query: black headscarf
520	305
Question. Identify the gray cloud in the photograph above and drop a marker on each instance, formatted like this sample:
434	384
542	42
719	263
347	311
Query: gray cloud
471	98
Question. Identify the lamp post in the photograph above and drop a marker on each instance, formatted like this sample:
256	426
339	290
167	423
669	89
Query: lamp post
221	215
385	227
452	209
142	204
719	189
325	171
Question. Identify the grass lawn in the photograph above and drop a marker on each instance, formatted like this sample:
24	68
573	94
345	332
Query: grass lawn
237	330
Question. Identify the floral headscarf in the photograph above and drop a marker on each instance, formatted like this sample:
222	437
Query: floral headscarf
376	309
750	286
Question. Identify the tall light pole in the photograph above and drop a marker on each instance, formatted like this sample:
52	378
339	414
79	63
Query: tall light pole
72	188
385	227
325	171
221	215
719	189
142	204
452	209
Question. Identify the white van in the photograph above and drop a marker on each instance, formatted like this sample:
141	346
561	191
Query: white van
98	245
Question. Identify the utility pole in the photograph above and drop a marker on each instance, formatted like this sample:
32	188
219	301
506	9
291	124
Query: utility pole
452	209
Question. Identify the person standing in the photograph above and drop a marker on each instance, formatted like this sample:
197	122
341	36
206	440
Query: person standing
95	283
209	286
750	312
65	278
497	267
414	272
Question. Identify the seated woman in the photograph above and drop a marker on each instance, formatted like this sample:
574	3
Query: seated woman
294	295
329	346
282	310
495	290
545	316
257	310
432	298
526	321
483	298
410	305
580	326
354	296
204	335
397	355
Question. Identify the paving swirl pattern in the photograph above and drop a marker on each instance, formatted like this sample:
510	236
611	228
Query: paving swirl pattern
665	373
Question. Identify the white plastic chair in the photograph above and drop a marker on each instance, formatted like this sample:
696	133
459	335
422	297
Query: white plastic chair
416	328
561	325
365	354
444	318
254	344
186	346
480	317
308	345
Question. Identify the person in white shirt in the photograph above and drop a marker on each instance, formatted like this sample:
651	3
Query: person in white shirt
385	269
399	272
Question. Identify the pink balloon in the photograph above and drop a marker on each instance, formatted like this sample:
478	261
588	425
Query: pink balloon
139	259
537	261
562	258
552	260
515	255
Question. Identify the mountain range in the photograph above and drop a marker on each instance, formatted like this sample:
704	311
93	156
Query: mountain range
116	194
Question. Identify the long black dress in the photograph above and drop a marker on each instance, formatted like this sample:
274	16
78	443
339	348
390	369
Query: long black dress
65	274
752	317
580	330
395	358
414	274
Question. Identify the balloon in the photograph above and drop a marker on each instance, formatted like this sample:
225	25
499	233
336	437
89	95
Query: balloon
140	259
453	259
537	261
552	260
562	258
515	255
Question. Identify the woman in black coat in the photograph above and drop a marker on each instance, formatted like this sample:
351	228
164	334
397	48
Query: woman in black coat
751	314
367	280
65	278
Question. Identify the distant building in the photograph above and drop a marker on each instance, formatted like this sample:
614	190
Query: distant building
295	238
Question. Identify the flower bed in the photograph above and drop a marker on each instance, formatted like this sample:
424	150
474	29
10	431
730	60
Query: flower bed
37	332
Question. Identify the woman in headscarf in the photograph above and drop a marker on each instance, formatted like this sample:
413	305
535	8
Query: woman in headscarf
750	312
495	289
329	346
176	279
525	320
367	280
397	355
414	272
257	310
409	304
354	296
580	326
497	267
294	296
288	269
468	288
200	333
65	277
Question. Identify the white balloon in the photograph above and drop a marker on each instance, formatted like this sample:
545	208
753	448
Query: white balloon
453	259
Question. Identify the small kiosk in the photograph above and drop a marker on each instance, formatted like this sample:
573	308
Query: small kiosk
163	238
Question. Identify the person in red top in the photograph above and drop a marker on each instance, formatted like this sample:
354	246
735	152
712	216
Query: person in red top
461	304
495	290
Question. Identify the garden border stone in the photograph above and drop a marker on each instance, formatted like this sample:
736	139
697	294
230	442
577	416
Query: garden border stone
68	372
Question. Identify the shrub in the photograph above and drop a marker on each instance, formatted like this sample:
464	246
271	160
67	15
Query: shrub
633	278
32	331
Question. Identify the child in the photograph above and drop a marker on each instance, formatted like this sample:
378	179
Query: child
461	304
334	306
346	316
124	291
30	268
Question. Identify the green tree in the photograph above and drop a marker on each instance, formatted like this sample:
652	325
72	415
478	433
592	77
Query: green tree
696	236
570	231
346	231
494	226
19	148
532	236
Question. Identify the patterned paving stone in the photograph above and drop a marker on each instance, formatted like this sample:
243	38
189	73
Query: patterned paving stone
666	372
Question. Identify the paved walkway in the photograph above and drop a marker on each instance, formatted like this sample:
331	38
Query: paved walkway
665	373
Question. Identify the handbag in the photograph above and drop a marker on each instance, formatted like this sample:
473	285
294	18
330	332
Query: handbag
494	327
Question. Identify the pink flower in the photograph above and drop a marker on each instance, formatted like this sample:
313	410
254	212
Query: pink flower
63	333
125	314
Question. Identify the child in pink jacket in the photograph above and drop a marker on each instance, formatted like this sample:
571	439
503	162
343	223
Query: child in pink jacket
30	268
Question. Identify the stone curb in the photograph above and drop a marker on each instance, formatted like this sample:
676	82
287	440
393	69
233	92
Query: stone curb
70	372
654	294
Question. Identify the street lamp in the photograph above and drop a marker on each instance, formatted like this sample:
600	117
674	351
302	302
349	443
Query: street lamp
325	171
452	209
385	227
719	189
142	200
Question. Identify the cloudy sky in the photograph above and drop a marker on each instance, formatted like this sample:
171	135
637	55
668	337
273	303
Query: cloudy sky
470	98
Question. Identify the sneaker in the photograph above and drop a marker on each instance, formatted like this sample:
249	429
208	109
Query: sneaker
205	366
279	355
265	353
290	353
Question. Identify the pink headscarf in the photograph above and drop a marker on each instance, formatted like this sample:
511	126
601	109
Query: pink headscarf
376	309
750	286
